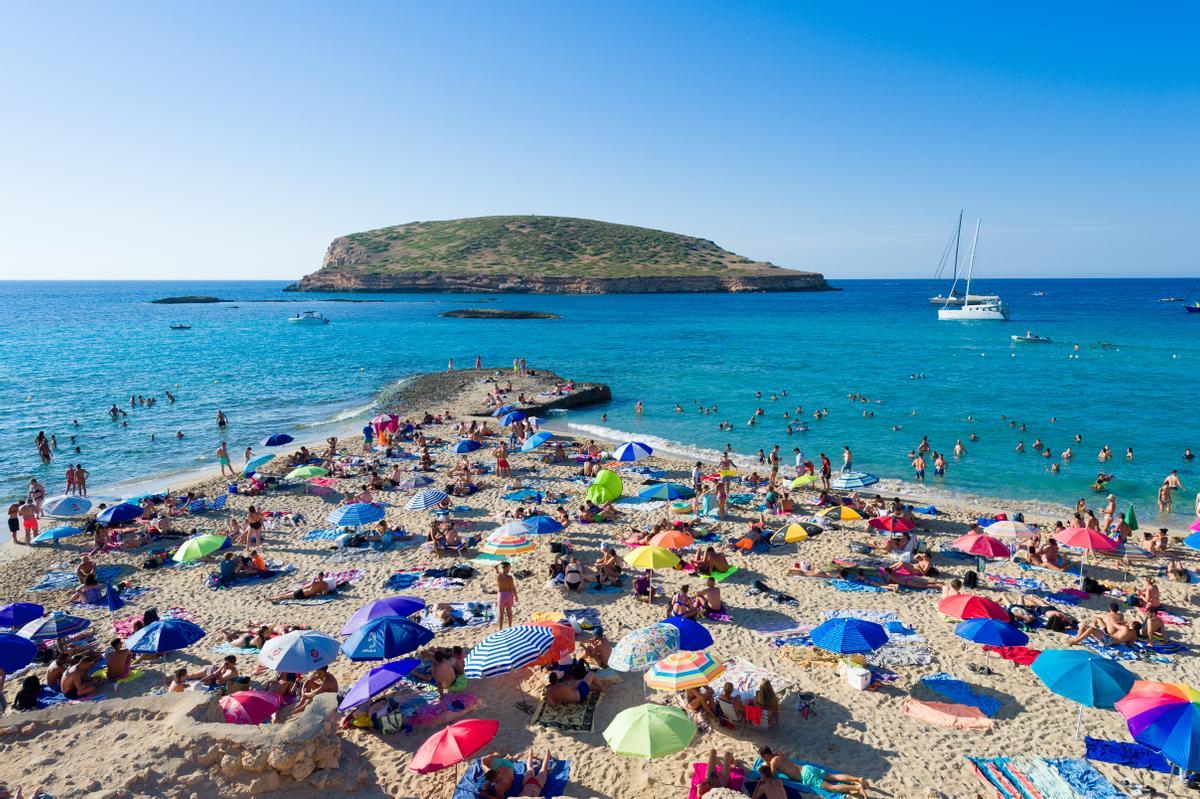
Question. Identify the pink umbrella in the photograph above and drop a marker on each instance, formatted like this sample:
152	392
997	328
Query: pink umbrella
1195	526
982	545
386	420
250	707
893	524
1085	539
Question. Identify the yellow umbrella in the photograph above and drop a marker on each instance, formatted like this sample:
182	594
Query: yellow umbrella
727	472
843	512
794	533
805	480
652	558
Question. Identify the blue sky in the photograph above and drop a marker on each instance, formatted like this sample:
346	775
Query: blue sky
173	140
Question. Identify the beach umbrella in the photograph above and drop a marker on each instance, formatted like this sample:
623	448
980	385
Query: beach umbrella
119	513
800	531
18	614
300	651
650	731
693	635
112	598
304	472
424	500
640	649
850	481
276	440
511	417
843	512
1012	528
535	441
1083	677
805	480
400	606
453	744
385	638
848	636
519	527
200	546
1087	540
164	635
1192	541
56	625
681	670
416	481
386	420
56	533
254	464
543	525
652	557
16	652
376	681
632	451
982	545
1195	526
606	487
1166	718
564	642
503	409
249	707
990	632
666	491
66	507
892	524
355	514
508	650
671	539
507	545
466	445
972	606
1131	517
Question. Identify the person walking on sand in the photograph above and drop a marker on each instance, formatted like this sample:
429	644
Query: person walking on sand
501	455
506	588
29	523
826	472
223	460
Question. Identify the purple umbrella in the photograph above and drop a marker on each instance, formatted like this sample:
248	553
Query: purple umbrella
18	614
388	606
376	681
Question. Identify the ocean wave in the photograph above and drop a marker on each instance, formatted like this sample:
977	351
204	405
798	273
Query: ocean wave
663	445
340	416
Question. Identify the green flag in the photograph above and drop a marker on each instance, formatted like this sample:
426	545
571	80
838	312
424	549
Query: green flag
1131	518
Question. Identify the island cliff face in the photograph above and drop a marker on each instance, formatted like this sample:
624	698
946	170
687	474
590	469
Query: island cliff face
541	255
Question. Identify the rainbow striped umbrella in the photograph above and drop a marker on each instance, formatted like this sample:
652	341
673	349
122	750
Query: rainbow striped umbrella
679	671
507	545
1165	717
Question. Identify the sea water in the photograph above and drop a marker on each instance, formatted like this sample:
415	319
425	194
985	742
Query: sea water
1122	371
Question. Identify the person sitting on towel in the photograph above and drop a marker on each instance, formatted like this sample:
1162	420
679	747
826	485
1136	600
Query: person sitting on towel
710	597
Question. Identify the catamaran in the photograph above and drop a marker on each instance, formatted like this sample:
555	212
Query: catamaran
954	299
972	310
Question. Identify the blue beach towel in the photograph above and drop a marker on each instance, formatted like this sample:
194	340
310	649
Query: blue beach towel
795	790
961	693
1123	753
57	580
851	587
321	535
1084	779
927	510
401	581
471	784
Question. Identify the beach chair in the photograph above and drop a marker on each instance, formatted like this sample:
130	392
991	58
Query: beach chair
730	718
806	704
219	502
197	506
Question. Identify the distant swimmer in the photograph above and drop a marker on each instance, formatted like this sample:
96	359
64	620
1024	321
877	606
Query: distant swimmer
1020	446
638	407
1188	455
222	420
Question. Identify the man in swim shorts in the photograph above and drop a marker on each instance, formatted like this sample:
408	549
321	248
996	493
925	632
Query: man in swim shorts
223	460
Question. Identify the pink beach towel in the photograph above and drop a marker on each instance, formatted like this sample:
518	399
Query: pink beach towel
124	627
700	772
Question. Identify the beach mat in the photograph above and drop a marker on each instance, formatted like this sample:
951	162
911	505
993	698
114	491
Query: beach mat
943	714
1084	779
229	649
401	580
321	535
56	580
465	614
128	595
470	786
568	718
1124	753
124	627
959	692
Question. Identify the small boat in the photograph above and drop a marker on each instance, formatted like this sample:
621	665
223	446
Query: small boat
180	326
1193	308
970	311
1039	294
309	318
1029	338
1171	299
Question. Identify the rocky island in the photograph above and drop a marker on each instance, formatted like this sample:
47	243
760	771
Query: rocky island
541	255
497	313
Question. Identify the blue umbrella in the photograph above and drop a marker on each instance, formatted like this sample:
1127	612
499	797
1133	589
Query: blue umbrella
18	614
355	515
508	650
540	525
56	625
1192	541
632	451
254	464
388	606
503	409
511	416
56	533
667	491
119	513
848	481
990	632
693	637
1083	677
535	441
424	500
112	598
376	681
384	638
845	636
16	652
276	440
466	445
67	506
165	635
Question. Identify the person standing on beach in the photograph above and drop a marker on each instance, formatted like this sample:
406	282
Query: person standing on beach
223	460
368	434
773	459
501	455
14	519
81	478
506	588
826	472
222	420
697	476
478	363
28	513
70	479
36	494
450	365
799	453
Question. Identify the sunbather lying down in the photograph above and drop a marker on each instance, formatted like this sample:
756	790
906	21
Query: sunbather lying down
499	777
777	765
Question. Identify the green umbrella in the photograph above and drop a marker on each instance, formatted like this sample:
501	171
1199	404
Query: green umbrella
1131	518
805	480
650	731
198	546
307	471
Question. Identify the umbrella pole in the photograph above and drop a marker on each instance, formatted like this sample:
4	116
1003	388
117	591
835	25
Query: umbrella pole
1079	723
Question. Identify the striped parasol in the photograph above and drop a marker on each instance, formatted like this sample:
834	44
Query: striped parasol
424	500
507	545
632	451
56	625
642	648
416	481
356	514
519	527
508	650
679	671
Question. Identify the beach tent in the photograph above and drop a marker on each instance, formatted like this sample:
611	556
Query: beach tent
605	488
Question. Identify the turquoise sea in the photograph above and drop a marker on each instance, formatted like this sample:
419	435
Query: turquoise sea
69	350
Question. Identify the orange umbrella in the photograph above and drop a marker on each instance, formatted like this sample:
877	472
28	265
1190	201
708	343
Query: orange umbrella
672	539
564	642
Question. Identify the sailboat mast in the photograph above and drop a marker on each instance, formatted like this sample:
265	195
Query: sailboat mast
971	264
957	239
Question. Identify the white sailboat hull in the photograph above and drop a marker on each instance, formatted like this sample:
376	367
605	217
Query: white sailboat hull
993	312
955	300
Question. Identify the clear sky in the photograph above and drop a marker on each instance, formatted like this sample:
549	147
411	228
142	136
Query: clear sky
207	140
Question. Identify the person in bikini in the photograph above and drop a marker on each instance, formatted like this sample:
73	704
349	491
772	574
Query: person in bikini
506	597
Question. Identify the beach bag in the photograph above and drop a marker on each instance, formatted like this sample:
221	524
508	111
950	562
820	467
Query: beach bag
970	579
391	723
462	572
1092	587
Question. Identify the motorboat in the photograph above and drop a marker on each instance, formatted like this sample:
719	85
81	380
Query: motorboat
1193	308
1029	338
1039	294
309	318
180	326
970	311
1171	299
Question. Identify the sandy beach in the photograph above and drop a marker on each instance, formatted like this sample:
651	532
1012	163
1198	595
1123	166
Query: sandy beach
865	733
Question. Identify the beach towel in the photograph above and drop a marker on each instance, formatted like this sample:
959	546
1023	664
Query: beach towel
102	673
1138	650
439	583
470	786
324	599
1166	617
444	710
605	589
1125	753
737	777
1017	654
881	617
464	614
1042	778
1007	780
927	510
230	649
1065	598
721	577
1084	779
124	627
55	580
941	714
1025	584
588	619
718	615
852	587
346	577
795	790
130	594
524	495
48	697
959	692
401	580
322	535
275	569
580	717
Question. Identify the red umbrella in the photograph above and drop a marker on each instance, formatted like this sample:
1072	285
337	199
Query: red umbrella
970	606
386	420
893	524
1085	538
983	545
249	707
564	642
453	744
